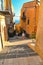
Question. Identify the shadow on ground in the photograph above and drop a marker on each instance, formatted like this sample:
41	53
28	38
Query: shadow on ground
17	52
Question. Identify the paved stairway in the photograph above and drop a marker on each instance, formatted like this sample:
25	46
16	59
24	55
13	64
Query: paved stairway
19	55
17	51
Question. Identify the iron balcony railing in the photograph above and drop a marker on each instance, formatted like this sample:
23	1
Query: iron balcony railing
24	17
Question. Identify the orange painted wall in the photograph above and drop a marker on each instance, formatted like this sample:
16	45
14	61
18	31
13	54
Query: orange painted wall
31	12
18	26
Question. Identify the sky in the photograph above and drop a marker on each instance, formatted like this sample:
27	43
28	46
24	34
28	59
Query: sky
17	4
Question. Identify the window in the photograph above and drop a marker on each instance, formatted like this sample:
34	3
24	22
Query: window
28	21
23	13
1	4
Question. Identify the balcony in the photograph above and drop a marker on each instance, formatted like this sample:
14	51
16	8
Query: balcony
6	12
23	17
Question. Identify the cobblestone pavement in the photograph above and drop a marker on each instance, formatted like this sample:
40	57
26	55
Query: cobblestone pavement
13	55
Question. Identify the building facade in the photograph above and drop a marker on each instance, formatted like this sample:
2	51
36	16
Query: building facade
6	12
29	17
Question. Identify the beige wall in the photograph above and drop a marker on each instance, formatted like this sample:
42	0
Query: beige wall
4	33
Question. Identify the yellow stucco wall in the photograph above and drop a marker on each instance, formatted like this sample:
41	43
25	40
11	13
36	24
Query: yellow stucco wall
39	36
